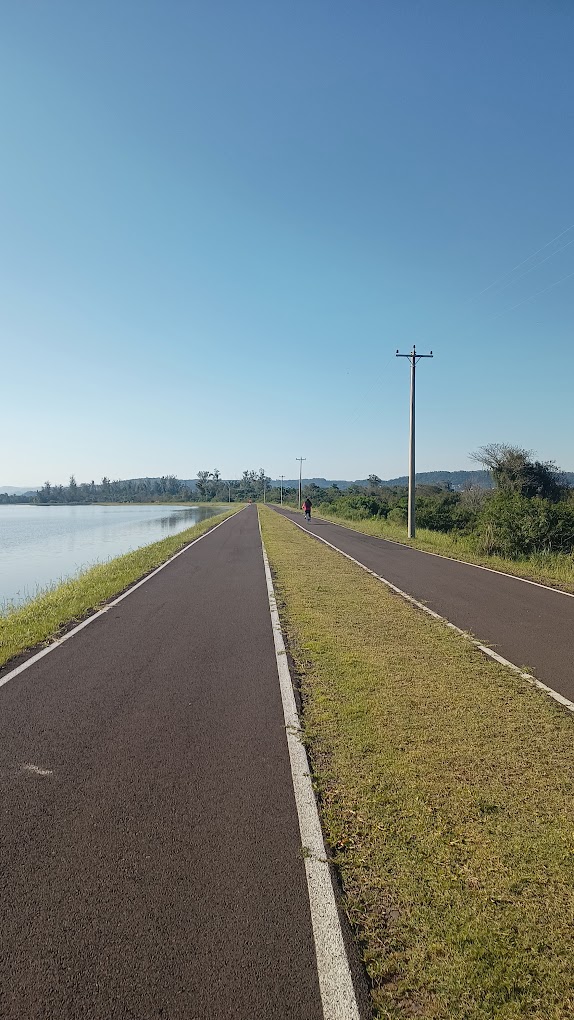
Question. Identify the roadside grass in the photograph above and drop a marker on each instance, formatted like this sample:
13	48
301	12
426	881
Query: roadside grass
446	786
554	569
44	617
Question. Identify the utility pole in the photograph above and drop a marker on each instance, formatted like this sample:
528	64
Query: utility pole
282	477
414	358
300	459
264	489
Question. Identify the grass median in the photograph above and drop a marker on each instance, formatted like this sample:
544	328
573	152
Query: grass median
447	797
553	569
44	617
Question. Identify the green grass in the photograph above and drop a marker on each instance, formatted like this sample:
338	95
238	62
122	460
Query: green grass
447	796
44	617
554	569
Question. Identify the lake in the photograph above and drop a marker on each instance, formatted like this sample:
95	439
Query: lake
42	545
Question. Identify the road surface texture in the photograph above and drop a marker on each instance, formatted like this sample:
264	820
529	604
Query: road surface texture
150	856
531	626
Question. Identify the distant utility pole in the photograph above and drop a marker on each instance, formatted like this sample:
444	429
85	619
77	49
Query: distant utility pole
229	487
282	477
264	489
300	459
413	358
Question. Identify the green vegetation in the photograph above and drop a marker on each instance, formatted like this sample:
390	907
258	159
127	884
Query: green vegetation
252	485
554	569
209	487
167	489
43	618
524	525
446	787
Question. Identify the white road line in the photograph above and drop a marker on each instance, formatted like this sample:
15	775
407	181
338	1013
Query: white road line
66	637
28	767
430	612
335	980
441	556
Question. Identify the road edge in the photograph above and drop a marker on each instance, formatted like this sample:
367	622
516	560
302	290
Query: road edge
441	556
335	980
11	674
564	702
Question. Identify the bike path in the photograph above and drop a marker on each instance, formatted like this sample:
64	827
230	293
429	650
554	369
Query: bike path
531	626
150	855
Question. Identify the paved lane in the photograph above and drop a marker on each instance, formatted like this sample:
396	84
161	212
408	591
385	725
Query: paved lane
531	626
150	853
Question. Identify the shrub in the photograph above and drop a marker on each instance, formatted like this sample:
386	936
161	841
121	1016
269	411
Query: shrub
444	512
514	525
398	515
360	506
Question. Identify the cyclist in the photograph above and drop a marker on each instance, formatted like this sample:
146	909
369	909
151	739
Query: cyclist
307	508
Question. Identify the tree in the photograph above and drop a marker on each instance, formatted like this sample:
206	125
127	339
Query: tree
515	473
202	480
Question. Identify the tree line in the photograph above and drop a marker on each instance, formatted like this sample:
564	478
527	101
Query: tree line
529	510
209	486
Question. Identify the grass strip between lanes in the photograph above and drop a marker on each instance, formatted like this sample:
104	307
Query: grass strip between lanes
553	569
44	617
447	795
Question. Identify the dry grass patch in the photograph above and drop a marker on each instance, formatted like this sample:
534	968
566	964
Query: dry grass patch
447	797
43	618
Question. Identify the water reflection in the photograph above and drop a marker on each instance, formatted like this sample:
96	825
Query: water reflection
40	545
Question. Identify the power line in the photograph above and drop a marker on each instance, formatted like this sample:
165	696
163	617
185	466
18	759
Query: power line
524	261
535	266
532	296
371	392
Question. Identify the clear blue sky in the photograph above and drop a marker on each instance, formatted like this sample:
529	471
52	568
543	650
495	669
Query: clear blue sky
220	219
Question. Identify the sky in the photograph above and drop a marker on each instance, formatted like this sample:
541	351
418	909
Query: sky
220	219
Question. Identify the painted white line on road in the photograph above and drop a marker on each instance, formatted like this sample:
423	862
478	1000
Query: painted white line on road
441	556
100	612
430	612
36	770
335	980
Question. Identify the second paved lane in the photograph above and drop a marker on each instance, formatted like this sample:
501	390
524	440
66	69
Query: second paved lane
531	626
152	867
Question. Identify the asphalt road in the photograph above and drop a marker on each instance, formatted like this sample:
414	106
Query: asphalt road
531	626
150	856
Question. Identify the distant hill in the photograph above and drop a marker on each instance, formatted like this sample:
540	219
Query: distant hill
323	483
15	490
456	479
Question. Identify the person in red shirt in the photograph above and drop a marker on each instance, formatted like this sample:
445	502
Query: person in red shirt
307	508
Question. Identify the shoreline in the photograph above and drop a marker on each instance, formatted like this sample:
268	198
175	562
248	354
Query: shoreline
28	628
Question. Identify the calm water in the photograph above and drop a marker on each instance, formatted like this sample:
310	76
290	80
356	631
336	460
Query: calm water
41	545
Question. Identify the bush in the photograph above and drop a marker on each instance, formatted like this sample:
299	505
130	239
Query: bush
361	506
514	525
398	515
444	512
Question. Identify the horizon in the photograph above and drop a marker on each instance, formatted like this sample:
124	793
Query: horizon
219	224
21	489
